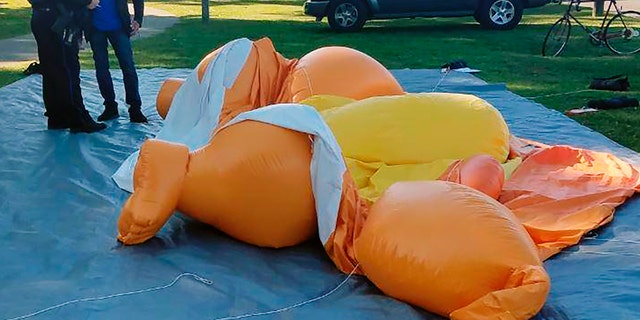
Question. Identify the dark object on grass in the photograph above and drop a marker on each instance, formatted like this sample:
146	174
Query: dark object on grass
615	83
33	68
613	103
600	104
456	64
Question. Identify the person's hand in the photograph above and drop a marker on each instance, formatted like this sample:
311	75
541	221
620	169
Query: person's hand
135	27
93	4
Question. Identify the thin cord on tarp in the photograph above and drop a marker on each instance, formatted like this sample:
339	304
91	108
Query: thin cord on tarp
299	304
116	295
198	278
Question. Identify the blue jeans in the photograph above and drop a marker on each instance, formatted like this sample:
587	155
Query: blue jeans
121	44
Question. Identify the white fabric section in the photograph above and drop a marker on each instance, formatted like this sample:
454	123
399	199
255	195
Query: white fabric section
195	109
327	164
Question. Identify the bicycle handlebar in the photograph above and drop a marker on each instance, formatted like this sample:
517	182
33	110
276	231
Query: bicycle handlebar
575	3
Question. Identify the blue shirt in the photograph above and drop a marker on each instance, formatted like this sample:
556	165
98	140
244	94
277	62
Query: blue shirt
106	17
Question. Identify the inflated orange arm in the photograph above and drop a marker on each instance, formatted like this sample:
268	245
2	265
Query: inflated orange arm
528	284
157	183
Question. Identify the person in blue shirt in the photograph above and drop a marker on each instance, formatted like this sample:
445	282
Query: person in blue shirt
111	23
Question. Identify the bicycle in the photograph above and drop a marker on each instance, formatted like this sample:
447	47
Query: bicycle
621	33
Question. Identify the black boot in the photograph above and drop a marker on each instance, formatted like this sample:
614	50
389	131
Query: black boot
135	115
110	112
87	125
57	124
57	121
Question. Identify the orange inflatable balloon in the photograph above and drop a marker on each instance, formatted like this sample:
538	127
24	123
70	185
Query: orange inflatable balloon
481	172
341	71
452	250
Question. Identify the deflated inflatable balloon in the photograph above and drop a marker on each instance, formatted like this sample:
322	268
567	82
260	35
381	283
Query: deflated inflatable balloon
235	152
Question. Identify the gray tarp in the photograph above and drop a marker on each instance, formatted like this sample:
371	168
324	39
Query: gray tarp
59	208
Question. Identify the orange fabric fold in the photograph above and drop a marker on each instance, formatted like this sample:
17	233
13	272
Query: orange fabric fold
352	213
560	193
259	83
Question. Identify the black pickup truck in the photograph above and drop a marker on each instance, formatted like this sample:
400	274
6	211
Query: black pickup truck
351	15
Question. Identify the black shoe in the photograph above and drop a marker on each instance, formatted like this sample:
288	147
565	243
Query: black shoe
87	125
33	68
108	114
57	124
135	115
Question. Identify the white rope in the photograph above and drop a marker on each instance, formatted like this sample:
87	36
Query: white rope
612	240
299	304
592	236
441	78
560	94
116	295
604	253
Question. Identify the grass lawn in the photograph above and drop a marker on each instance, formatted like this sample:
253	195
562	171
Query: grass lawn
511	57
15	16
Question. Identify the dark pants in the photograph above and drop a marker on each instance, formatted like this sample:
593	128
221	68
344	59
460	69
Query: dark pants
60	69
121	44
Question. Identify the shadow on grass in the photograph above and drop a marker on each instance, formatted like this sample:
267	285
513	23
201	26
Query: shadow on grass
296	3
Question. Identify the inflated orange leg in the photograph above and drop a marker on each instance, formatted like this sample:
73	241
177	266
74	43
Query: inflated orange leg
157	183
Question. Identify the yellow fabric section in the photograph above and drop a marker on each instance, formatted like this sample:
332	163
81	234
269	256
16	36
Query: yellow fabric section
419	128
413	137
325	102
373	178
510	166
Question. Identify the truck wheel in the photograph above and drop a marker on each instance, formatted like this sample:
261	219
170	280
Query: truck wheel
347	15
499	14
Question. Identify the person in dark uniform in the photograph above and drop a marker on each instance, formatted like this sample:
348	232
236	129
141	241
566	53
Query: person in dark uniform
56	26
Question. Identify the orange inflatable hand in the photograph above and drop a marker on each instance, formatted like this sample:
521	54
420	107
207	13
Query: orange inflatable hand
528	284
480	172
157	183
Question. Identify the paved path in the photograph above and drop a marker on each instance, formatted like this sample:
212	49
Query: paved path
624	5
23	48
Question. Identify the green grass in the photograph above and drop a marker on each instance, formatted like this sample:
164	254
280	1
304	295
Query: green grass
15	16
511	57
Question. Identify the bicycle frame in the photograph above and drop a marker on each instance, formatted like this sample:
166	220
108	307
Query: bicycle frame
588	30
560	31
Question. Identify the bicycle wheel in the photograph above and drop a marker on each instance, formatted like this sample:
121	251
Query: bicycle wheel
556	39
622	34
